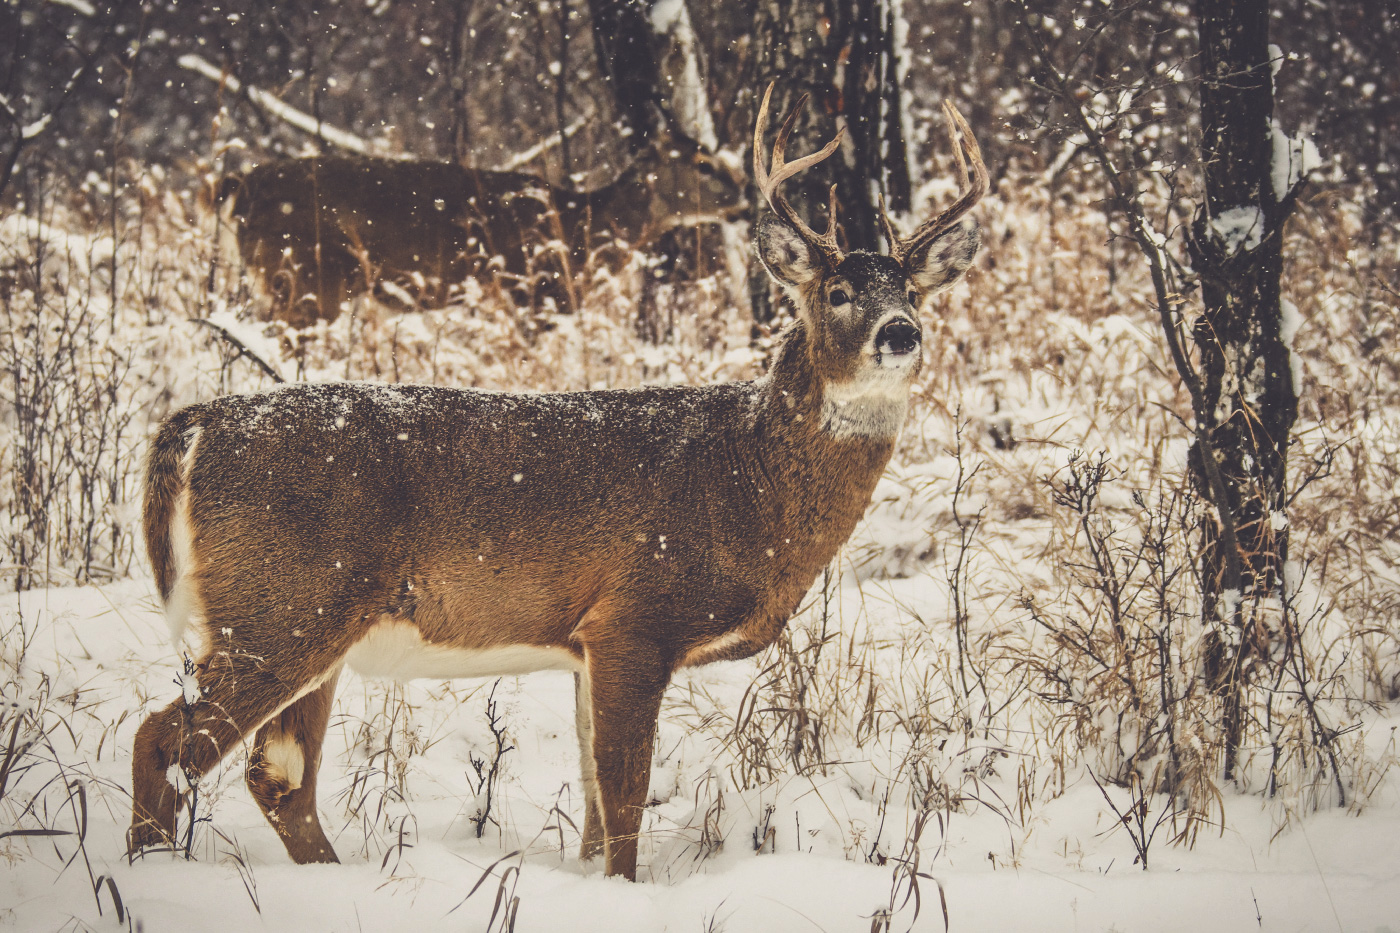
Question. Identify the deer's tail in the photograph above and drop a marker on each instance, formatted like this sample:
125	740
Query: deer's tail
167	479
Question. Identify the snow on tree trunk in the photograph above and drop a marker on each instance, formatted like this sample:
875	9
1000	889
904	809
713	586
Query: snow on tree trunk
654	64
683	71
655	67
1246	373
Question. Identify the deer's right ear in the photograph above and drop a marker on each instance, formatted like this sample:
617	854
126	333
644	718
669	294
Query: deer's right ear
941	261
785	253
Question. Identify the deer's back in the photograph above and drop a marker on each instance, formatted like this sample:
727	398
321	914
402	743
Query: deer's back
406	218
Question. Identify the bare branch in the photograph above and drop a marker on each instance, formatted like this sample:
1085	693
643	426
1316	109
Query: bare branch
241	347
283	111
1152	245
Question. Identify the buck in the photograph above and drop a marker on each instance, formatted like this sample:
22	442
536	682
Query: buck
318	231
416	531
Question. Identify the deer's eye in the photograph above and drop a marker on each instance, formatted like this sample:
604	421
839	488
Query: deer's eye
838	298
913	297
705	168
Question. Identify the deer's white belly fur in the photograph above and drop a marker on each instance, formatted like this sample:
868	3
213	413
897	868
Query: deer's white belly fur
396	650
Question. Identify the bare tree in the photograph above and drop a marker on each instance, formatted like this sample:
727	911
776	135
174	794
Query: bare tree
1240	377
654	64
51	54
1251	173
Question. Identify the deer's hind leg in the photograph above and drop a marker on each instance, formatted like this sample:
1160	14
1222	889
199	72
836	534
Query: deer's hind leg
282	771
238	690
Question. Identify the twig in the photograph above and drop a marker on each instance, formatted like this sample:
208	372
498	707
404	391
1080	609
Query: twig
1127	200
241	348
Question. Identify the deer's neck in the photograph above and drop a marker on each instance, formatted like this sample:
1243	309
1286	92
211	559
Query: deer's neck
822	476
618	210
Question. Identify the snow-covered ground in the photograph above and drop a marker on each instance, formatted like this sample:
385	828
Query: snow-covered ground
101	658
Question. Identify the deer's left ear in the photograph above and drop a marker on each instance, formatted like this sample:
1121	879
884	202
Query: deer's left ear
945	258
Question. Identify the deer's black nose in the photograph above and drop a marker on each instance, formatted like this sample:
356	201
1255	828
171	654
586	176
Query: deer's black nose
898	337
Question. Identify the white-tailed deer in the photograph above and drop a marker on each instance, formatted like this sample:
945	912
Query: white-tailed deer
415	531
318	231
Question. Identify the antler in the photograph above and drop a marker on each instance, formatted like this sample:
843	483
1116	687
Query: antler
974	185
824	243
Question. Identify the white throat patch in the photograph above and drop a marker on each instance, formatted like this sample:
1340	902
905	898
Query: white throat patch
872	406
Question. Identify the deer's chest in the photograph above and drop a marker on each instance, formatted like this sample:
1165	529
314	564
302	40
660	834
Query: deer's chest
751	620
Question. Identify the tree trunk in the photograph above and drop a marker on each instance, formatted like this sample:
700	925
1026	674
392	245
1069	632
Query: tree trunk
657	76
842	53
1246	374
459	120
627	56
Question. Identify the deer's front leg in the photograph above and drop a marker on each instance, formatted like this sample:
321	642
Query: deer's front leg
625	684
592	846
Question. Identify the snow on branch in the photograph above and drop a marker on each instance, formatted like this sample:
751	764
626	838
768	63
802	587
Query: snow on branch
543	146
338	137
283	111
81	7
35	129
1239	228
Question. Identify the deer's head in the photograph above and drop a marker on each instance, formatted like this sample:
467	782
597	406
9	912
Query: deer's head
860	308
687	183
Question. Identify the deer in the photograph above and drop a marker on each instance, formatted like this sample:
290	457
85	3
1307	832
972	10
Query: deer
318	231
416	531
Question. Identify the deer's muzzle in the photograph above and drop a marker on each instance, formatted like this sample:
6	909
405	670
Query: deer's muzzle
897	337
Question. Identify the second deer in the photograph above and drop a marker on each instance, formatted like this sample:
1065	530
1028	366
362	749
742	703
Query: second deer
416	531
318	231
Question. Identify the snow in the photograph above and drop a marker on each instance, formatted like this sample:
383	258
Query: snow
81	6
35	129
1290	322
684	71
526	156
902	61
666	14
1239	228
1293	158
189	686
1229	606
1038	352
1069	869
301	120
251	335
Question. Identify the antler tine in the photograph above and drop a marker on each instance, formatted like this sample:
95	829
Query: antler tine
888	229
974	183
966	139
781	171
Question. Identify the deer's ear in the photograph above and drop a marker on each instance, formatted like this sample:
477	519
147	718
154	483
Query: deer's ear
785	255
945	258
